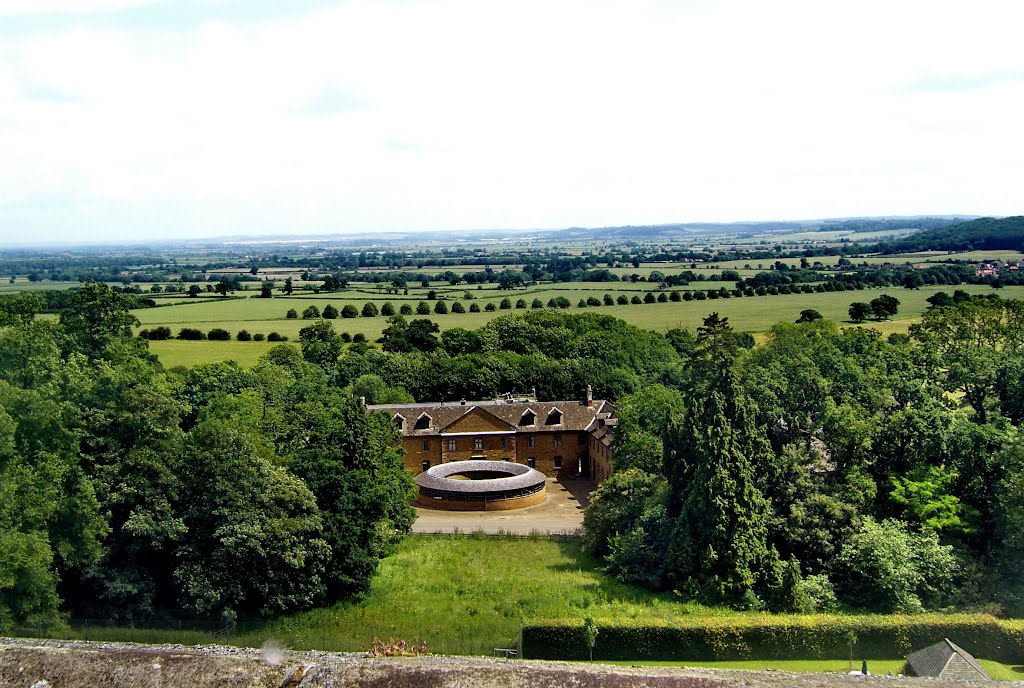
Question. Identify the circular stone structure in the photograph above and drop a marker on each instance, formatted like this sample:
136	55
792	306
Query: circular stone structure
480	486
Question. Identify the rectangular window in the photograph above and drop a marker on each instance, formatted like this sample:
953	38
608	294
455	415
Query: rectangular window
558	462
451	445
531	461
558	440
478	444
532	442
426	445
426	466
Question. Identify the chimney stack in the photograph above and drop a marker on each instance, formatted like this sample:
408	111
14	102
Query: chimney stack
588	400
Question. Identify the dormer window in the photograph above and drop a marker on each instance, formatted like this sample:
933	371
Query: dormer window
399	421
423	422
528	418
554	417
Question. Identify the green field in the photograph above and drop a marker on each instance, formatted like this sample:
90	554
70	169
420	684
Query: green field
460	594
174	352
750	314
923	258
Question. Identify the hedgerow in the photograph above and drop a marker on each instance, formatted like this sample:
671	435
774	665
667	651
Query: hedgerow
778	637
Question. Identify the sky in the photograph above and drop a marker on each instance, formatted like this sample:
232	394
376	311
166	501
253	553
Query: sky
164	119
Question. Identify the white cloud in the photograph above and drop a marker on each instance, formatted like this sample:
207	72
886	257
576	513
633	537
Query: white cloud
465	114
25	7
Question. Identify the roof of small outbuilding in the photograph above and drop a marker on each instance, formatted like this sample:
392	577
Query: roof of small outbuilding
934	659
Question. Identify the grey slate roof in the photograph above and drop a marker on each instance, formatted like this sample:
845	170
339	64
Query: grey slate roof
575	416
946	660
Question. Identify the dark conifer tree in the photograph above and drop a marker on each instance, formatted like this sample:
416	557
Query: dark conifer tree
718	551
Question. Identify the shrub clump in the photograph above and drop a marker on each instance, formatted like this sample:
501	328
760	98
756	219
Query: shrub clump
191	334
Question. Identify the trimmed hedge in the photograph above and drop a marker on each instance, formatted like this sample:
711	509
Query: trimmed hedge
779	637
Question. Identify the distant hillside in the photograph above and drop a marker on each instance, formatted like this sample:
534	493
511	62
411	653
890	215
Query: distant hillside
675	231
883	224
983	234
690	230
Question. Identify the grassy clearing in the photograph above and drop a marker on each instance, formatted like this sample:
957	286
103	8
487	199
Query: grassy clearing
460	594
470	594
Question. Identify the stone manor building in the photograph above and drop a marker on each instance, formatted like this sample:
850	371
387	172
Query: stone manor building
562	439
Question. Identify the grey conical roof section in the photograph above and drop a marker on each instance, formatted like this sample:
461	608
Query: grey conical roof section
946	660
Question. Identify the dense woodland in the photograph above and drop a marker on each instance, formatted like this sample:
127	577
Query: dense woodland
825	468
129	493
987	233
828	468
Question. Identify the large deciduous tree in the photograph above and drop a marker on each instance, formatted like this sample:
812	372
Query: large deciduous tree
349	460
975	340
321	345
644	418
99	324
254	541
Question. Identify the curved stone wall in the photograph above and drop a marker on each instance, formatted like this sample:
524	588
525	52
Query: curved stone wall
472	486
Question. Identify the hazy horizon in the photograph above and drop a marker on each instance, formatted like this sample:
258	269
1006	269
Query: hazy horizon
143	120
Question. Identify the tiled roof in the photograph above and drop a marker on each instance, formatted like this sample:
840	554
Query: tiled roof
934	659
575	416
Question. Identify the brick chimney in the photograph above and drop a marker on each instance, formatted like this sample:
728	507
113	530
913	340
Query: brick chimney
588	398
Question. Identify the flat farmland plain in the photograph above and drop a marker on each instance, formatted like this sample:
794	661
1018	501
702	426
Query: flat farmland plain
750	314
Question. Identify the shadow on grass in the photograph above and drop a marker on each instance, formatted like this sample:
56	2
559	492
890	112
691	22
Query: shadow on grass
608	587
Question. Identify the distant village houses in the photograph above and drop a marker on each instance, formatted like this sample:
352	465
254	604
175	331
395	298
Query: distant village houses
992	268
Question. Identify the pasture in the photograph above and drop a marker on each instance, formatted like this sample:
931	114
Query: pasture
750	314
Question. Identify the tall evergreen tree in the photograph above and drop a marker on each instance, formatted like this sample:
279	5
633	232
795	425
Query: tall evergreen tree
718	551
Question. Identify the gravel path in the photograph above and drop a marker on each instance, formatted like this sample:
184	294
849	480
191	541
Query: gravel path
560	514
25	663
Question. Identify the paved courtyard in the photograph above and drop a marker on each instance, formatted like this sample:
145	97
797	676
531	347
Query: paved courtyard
561	513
